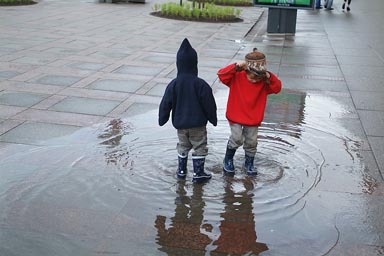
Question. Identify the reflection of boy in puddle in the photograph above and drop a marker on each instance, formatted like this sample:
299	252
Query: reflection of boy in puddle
191	101
184	232
249	85
237	227
111	137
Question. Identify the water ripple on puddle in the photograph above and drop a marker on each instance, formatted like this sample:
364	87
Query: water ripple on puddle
130	164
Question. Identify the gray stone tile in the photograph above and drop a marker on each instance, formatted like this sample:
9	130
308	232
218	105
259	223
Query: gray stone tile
373	122
313	84
266	49
58	80
34	60
48	116
139	108
212	63
6	50
61	50
137	70
215	53
79	44
110	54
308	60
356	132
159	58
368	100
7	74
326	71
307	51
157	90
360	60
365	83
88	65
305	42
36	133
378	150
9	111
362	70
343	51
207	74
21	99
371	170
86	106
129	85
6	125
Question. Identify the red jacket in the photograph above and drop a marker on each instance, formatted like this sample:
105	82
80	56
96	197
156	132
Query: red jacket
246	101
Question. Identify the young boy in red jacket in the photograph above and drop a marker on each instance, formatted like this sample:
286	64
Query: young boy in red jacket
249	84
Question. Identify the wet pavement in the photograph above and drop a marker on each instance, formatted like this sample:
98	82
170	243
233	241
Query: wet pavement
86	170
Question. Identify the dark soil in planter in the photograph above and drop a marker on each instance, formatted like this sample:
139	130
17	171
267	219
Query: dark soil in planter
17	3
224	20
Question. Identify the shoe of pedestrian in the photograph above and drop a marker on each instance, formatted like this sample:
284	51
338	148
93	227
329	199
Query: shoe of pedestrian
248	165
348	9
228	167
182	168
319	7
330	9
343	6
199	175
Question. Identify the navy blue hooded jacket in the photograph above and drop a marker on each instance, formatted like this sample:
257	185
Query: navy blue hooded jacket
189	97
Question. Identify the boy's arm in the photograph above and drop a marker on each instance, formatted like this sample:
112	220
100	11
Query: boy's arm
274	85
209	104
211	109
165	107
227	73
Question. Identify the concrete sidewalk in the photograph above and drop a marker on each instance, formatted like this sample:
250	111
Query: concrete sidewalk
66	65
61	59
76	63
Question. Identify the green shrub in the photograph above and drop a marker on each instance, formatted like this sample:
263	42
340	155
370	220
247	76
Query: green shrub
192	11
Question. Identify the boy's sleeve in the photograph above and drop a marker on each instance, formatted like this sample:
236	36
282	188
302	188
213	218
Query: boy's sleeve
165	106
274	85
227	73
209	104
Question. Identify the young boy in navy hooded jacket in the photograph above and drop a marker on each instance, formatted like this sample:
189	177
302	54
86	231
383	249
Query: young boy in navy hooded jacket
191	101
249	85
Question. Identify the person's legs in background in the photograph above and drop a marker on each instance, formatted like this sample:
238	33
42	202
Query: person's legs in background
346	4
328	5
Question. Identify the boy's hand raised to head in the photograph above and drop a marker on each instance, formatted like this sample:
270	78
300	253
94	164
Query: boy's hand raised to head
241	65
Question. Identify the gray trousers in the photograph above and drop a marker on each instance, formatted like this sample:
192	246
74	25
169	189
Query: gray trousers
193	138
246	136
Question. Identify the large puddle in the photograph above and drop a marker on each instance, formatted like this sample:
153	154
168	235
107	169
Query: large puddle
111	189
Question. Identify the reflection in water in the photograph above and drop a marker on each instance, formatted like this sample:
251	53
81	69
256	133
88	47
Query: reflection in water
237	227
184	231
89	179
111	136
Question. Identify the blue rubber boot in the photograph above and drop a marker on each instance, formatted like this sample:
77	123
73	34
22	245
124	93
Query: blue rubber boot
198	170
249	168
228	167
182	168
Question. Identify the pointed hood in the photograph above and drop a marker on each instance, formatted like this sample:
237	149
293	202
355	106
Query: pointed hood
186	59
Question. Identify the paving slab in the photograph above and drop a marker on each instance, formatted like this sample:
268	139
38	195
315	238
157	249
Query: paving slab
85	106
89	172
36	133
